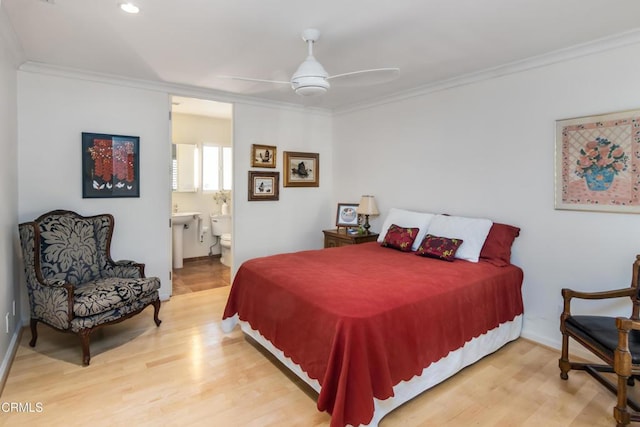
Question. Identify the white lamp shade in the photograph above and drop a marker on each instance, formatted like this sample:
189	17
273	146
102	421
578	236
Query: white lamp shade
367	206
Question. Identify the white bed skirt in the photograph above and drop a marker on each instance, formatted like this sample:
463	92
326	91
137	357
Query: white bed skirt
404	391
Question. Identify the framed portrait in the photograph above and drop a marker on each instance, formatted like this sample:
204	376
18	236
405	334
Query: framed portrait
110	165
263	156
301	169
346	215
598	163
263	185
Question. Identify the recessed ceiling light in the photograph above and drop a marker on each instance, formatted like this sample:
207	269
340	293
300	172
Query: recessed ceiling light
129	7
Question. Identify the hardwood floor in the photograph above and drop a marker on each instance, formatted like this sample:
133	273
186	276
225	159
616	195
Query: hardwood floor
200	274
187	372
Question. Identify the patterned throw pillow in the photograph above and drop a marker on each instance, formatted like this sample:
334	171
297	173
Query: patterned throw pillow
400	238
439	247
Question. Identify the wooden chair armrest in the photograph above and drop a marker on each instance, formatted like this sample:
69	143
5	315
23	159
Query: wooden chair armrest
614	293
625	324
568	294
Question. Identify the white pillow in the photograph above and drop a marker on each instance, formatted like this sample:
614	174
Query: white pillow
472	231
406	219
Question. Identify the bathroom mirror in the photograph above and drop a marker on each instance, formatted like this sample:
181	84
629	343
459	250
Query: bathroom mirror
184	161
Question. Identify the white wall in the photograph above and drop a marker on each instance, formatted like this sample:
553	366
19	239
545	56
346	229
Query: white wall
192	129
53	111
9	266
487	149
296	221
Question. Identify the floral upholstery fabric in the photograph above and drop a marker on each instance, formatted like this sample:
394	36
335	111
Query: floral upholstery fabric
400	238
105	294
80	323
122	269
72	282
69	249
49	301
439	247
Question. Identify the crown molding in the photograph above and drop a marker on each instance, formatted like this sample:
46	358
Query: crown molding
561	55
165	87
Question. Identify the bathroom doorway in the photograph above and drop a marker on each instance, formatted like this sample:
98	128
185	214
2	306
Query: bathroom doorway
201	168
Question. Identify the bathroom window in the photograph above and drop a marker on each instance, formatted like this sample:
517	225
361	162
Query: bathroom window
216	168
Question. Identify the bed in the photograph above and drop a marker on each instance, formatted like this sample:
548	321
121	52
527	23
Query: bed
370	327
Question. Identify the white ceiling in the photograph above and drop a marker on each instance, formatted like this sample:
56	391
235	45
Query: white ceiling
192	42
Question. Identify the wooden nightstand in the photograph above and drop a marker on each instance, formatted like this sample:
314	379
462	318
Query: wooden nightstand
336	238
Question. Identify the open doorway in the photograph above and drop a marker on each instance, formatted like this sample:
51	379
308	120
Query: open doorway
201	197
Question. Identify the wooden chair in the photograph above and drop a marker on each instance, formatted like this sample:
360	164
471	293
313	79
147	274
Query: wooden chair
73	284
616	341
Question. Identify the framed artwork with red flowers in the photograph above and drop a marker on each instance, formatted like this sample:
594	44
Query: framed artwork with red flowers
110	165
598	163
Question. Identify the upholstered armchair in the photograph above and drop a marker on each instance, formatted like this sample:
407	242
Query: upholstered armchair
72	282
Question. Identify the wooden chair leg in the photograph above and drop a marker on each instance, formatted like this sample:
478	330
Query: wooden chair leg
34	333
84	340
622	367
620	411
563	363
156	311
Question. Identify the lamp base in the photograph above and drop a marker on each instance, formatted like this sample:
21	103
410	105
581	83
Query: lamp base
366	225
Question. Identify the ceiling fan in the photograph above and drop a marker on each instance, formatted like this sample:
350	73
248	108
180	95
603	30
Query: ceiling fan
311	79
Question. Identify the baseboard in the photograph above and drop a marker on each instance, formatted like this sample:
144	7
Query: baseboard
9	355
540	339
201	258
575	349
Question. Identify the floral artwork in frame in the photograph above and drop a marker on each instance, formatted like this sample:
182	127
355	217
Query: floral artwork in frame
301	169
264	186
110	165
263	156
598	163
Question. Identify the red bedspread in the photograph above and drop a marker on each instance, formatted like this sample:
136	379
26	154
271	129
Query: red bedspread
361	318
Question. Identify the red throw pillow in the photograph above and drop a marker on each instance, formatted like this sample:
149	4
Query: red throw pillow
497	247
400	238
439	247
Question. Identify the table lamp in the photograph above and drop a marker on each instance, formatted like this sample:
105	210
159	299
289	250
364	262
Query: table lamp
367	207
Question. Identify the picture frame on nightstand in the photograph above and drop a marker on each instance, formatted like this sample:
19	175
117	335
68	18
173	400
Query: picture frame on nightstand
346	215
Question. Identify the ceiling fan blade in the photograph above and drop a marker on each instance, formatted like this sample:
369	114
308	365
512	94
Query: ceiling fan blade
366	77
249	79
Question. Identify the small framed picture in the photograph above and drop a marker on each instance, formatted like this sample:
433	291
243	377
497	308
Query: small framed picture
347	215
263	185
301	169
110	165
263	156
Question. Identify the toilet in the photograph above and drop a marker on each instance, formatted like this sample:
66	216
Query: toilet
221	228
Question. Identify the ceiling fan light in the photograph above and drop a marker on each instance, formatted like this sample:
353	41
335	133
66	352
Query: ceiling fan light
311	90
310	85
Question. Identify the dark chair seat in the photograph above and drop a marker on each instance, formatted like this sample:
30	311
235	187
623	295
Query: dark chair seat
601	331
